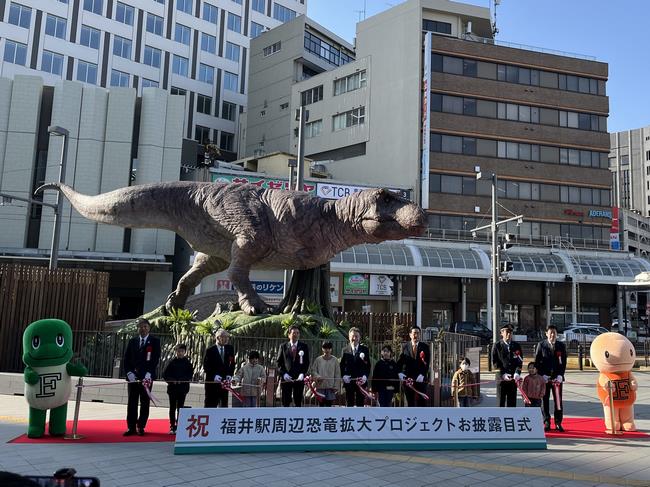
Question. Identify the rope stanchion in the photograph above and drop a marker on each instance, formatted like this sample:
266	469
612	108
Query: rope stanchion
77	405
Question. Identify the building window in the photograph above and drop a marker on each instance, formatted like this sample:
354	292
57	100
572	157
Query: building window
282	13
313	95
55	26
356	116
122	47
325	50
15	52
284	106
208	43
152	56
227	141
272	49
20	15
256	29
202	134
230	81
184	6
119	78
52	62
206	73
94	6
179	65
313	129
182	34
232	51
162	2
124	13
89	37
178	91
436	26
154	24
234	22
149	83
87	72
204	104
350	83
237	1
228	111
258	6
210	13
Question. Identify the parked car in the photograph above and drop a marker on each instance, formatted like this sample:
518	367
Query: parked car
472	328
626	329
576	335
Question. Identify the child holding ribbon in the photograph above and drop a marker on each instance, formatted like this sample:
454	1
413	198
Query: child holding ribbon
327	375
250	376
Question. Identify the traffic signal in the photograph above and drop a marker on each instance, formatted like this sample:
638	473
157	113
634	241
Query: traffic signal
506	266
508	241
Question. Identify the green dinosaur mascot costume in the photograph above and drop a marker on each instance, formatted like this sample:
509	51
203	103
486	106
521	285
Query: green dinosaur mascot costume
47	350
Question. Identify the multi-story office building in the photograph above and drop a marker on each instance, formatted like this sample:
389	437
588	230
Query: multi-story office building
536	119
115	139
194	47
629	161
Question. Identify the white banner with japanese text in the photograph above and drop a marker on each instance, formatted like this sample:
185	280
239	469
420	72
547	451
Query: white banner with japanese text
218	430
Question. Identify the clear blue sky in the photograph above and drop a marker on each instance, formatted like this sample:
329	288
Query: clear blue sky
615	32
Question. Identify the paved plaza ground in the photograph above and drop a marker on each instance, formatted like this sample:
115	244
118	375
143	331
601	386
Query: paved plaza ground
575	462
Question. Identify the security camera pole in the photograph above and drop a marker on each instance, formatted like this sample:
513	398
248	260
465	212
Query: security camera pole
496	271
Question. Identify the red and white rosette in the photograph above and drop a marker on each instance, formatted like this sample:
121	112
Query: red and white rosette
146	383
518	355
301	354
227	385
423	357
409	383
310	383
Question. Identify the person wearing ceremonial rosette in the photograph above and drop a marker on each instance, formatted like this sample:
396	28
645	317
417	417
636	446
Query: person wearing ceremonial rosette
140	363
219	367
550	358
508	359
293	364
413	367
355	368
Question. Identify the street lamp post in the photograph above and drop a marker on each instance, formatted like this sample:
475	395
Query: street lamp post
54	253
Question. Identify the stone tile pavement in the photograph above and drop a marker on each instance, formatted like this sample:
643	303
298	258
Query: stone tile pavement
567	462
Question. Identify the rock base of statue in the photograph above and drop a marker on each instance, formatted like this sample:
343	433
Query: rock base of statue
309	292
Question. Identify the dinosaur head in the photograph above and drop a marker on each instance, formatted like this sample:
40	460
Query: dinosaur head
612	352
384	215
47	343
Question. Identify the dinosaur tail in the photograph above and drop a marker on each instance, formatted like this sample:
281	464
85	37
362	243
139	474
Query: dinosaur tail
144	206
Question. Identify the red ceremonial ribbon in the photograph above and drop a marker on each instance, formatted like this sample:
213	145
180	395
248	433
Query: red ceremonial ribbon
226	384
146	383
320	397
521	390
558	397
409	383
365	392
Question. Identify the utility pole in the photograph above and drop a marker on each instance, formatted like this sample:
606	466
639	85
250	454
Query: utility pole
54	254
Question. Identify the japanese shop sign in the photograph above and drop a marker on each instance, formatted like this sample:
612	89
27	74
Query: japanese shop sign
331	191
381	285
262	287
357	284
261	182
217	430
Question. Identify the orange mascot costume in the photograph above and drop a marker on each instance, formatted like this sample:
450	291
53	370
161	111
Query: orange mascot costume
614	356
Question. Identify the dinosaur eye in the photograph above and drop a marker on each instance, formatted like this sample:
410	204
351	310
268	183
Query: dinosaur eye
60	340
36	342
606	354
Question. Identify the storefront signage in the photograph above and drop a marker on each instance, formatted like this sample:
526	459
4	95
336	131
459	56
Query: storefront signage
338	191
600	213
356	284
261	287
380	285
572	212
335	289
221	430
261	182
426	121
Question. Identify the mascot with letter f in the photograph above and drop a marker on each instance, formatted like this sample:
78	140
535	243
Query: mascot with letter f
47	350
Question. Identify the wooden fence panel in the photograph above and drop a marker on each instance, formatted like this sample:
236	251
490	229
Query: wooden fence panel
29	293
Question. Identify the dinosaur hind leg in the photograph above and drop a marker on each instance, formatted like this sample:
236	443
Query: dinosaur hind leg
243	256
203	266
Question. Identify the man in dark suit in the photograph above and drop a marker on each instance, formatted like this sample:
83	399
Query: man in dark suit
550	359
507	358
355	365
413	363
140	364
218	365
293	363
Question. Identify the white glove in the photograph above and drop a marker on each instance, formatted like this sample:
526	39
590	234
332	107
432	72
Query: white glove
346	379
402	376
217	378
506	377
559	379
130	376
229	377
301	377
364	379
546	378
287	377
147	376
419	378
516	377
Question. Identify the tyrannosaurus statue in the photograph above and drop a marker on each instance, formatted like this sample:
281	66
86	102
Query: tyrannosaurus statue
240	226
